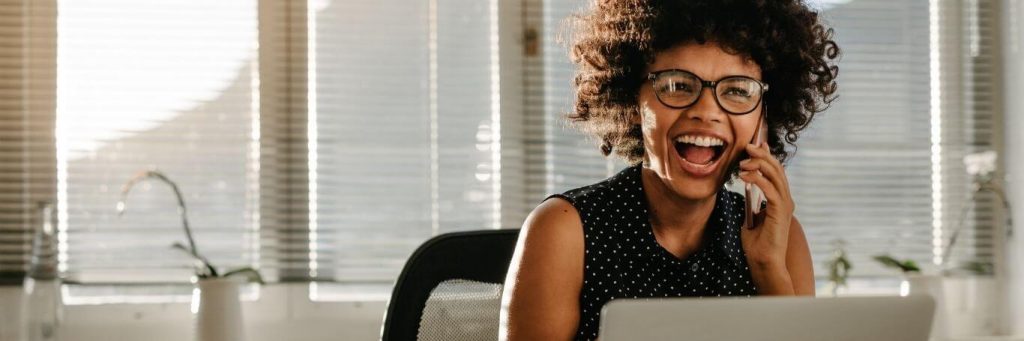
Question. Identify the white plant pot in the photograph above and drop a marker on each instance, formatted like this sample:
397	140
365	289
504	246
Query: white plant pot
934	286
217	310
972	306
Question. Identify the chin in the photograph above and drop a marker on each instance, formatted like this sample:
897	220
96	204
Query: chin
694	190
680	184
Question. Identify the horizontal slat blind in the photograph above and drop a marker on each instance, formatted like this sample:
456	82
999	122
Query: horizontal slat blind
406	140
166	85
27	157
970	125
408	136
870	171
572	158
535	130
284	194
863	171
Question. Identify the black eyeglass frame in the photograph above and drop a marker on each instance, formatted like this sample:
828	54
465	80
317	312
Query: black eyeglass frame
707	84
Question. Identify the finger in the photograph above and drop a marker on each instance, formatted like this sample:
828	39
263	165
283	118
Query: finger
770	172
766	186
759	151
775	205
760	218
762	153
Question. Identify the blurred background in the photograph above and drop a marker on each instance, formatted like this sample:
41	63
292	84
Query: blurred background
322	141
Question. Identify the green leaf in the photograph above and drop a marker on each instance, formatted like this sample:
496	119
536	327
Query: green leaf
910	266
888	261
979	268
904	266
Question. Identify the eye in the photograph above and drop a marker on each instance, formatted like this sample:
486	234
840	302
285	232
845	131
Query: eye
737	92
677	87
680	86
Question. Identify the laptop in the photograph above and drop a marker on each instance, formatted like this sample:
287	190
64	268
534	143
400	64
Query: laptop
769	318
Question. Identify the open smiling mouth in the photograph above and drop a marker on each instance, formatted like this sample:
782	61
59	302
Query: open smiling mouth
699	153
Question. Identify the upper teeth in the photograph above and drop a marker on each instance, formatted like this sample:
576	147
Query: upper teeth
703	141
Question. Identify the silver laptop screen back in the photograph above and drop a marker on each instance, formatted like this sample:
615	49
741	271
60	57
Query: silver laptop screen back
769	318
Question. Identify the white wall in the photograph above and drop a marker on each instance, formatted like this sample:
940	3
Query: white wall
1013	105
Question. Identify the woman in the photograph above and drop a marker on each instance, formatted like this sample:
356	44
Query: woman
676	88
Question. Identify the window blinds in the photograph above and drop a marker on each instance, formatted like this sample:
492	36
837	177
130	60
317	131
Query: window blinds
970	123
405	134
256	195
332	151
283	177
882	169
863	171
165	85
561	158
27	62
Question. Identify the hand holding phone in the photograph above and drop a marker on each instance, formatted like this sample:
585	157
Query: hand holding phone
754	196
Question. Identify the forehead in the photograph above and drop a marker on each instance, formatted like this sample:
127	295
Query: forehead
708	61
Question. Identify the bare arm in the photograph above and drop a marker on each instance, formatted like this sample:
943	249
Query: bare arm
798	261
795	276
542	288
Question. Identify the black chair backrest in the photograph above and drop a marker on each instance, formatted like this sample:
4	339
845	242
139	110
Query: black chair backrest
481	256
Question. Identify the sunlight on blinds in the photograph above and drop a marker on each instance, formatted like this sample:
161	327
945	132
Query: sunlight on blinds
168	85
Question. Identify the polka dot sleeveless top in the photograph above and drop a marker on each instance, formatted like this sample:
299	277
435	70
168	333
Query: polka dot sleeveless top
624	260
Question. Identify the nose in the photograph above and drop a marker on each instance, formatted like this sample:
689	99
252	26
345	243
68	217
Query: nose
706	109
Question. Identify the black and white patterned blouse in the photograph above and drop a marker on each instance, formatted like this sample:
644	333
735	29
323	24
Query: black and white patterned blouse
624	260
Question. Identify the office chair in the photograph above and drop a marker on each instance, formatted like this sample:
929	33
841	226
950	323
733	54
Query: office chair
450	288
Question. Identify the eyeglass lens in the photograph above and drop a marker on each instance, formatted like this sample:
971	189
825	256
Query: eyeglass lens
736	95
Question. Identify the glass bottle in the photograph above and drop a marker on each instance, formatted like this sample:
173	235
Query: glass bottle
43	284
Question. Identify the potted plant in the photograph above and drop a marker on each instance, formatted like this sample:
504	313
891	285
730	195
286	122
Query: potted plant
981	169
215	299
916	283
974	279
838	266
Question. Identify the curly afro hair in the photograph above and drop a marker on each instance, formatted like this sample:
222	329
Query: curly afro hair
615	41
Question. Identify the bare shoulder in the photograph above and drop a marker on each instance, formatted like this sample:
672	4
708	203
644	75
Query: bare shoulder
546	275
551	240
554	221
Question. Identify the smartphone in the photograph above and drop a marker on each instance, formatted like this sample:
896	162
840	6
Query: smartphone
754	196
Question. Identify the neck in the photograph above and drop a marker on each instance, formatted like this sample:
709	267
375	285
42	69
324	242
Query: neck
671	213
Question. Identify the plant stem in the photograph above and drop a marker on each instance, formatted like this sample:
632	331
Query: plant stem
986	186
182	211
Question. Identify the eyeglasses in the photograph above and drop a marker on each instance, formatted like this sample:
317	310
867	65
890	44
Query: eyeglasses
679	89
